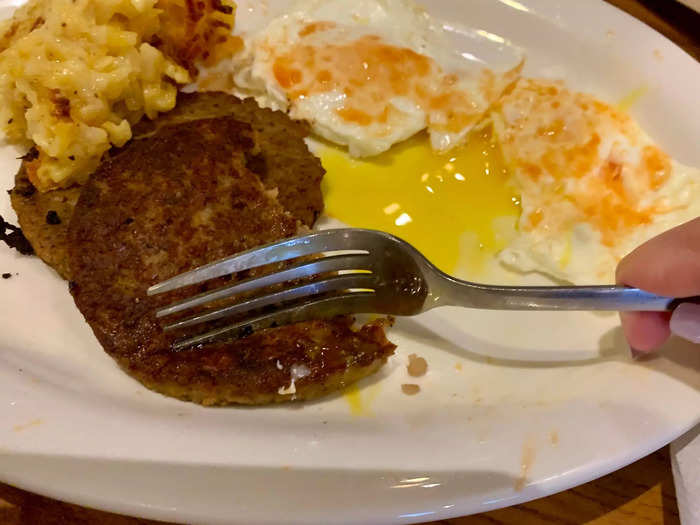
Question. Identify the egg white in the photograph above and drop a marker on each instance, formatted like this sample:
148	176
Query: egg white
399	23
534	124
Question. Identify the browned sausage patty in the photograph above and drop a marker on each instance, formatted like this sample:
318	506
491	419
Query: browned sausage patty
281	159
170	203
44	219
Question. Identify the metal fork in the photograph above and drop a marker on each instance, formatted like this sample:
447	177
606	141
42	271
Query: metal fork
365	271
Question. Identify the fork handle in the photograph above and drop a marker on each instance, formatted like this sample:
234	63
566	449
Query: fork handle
617	298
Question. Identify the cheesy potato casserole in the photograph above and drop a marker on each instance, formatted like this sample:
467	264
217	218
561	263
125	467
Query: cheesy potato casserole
76	74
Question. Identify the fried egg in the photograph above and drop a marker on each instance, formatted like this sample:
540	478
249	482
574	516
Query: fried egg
544	178
593	185
367	74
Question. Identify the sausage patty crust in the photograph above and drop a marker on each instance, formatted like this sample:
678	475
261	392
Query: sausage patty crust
179	199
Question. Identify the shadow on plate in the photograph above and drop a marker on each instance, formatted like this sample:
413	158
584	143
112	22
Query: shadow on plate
678	359
446	337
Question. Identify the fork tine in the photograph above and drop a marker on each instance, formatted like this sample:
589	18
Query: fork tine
333	284
356	303
303	269
326	240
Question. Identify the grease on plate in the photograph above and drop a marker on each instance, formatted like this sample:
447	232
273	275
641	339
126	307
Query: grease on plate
554	437
25	426
632	98
526	461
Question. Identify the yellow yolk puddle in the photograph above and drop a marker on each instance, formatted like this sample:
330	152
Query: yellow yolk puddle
631	98
359	404
430	200
352	396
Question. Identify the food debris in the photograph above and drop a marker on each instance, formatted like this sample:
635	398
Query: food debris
554	437
417	366
52	217
32	423
526	462
410	389
458	367
14	238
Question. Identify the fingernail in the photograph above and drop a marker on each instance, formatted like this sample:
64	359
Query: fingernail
685	322
636	354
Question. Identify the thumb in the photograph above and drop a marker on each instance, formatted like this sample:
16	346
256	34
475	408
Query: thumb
666	265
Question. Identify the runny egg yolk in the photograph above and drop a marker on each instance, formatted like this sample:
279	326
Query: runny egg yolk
429	199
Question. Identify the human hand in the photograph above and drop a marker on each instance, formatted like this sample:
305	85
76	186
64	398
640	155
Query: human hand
666	265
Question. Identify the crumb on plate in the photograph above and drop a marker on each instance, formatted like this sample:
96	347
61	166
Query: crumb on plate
417	366
410	389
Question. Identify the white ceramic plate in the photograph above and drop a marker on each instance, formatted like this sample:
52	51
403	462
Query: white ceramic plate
542	402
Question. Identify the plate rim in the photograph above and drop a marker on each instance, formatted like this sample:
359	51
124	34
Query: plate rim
560	483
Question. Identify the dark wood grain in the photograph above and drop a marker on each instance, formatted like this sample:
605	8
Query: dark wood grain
672	19
642	493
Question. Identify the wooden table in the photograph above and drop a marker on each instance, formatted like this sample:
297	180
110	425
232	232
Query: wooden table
642	493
